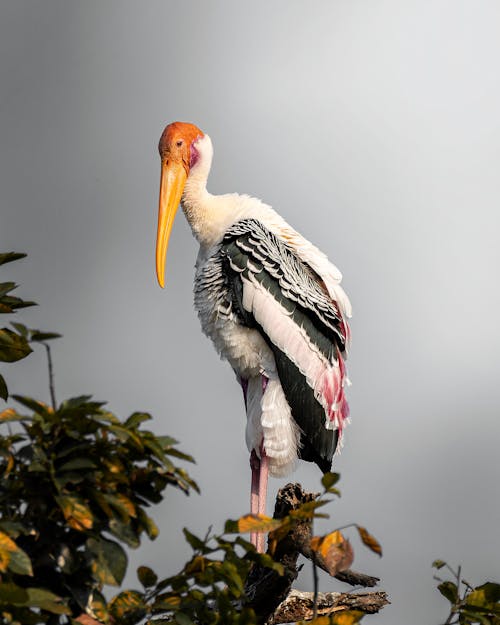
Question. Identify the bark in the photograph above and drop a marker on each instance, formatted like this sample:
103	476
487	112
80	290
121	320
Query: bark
271	595
299	606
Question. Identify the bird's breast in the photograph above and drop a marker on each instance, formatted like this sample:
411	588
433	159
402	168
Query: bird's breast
244	347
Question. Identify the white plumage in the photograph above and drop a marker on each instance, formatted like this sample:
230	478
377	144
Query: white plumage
248	353
270	301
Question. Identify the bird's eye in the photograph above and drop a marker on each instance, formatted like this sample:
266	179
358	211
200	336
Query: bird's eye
179	143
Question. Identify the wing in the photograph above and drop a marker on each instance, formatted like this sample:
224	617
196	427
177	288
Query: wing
277	293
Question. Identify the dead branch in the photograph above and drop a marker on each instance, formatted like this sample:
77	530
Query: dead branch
271	595
298	606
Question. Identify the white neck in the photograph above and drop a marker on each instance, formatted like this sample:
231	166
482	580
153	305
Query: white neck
197	203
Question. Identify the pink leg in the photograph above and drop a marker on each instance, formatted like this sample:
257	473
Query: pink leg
258	492
263	475
254	491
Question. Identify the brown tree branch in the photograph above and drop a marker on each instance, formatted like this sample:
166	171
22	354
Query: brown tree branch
266	589
299	606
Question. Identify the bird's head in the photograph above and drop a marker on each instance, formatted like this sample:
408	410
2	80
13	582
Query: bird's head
178	155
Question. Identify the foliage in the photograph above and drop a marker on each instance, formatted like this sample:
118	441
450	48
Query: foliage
75	486
468	604
75	483
210	588
14	344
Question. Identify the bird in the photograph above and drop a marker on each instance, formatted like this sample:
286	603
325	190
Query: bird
272	304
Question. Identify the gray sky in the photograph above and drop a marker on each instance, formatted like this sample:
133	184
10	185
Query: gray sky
373	127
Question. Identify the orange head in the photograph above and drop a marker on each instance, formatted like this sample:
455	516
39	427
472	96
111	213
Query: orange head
178	154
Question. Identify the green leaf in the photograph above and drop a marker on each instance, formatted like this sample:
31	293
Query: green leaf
4	392
329	479
6	287
491	591
122	505
124	532
147	576
110	561
195	542
166	441
13	347
76	402
77	464
12	557
438	564
449	590
38	407
40	337
125	435
11	303
128	607
20	563
46	600
136	419
308	510
21	329
179	454
15	528
149	525
12	594
8	257
473	616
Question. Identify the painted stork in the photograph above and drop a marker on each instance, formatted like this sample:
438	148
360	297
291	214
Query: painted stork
273	306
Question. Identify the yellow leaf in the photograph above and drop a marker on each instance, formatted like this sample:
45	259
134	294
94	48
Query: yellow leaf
370	541
197	565
335	551
322	544
7	546
76	512
7	414
127	504
7	543
170	600
257	523
10	465
351	617
4	559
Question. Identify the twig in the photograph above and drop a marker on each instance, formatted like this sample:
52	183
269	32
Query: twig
315	593
51	377
353	578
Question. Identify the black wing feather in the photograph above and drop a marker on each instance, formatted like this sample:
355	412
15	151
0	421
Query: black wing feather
250	248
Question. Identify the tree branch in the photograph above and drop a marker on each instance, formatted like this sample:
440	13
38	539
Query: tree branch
51	377
299	606
271	595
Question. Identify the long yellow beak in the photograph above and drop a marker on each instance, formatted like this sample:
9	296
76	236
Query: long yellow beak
173	179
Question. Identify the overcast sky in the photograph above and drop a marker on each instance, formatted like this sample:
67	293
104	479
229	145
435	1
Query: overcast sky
373	127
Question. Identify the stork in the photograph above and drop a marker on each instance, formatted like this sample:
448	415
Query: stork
272	304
